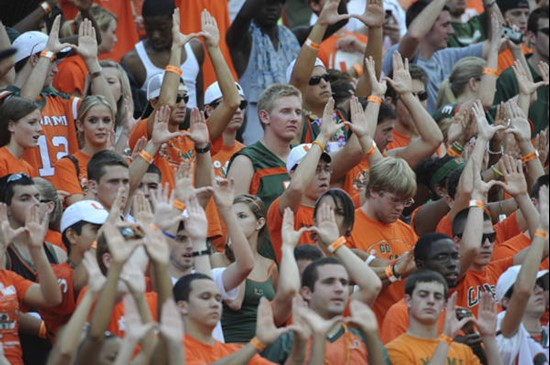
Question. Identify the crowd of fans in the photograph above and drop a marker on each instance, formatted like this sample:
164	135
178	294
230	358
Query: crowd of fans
271	181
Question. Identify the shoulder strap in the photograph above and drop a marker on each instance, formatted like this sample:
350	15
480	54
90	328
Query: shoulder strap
75	163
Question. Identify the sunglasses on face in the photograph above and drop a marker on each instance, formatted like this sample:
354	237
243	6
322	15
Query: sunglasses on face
183	97
422	95
544	30
486	236
314	80
242	105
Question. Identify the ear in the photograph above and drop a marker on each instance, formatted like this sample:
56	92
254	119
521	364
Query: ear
450	201
71	235
33	60
315	6
79	125
106	260
11	126
473	84
260	224
182	306
389	100
92	186
264	117
305	292
440	191
408	301
419	264
51	207
154	103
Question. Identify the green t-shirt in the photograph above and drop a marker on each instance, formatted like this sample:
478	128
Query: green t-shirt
507	87
469	33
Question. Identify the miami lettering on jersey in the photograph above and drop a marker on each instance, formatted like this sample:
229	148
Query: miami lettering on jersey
474	293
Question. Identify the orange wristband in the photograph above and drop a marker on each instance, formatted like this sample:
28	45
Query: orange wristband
146	156
541	233
375	99
453	153
258	345
48	54
372	149
476	203
530	156
154	227
443	338
42	331
320	144
178	204
46	7
311	44
174	69
94	245
337	244
490	71
390	274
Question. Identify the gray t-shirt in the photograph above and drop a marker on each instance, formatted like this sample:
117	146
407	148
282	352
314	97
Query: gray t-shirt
438	67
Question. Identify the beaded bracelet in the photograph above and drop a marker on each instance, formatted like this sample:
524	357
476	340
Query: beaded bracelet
530	156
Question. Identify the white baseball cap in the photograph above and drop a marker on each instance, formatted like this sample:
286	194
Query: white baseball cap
89	211
214	92
32	42
298	153
508	279
290	68
155	83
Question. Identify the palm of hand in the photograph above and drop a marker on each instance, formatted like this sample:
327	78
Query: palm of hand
199	133
515	184
165	215
158	250
198	223
87	46
402	81
374	15
36	234
212	35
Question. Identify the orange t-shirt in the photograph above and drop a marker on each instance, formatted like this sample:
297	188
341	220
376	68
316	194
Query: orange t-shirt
168	159
399	140
389	241
356	178
66	178
514	245
12	293
506	59
411	350
54	237
71	75
9	164
220	160
199	353
58	134
303	217
59	315
474	283
190	14
396	322
330	55
126	30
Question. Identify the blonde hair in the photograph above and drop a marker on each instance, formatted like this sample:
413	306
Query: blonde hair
454	86
275	92
392	175
102	16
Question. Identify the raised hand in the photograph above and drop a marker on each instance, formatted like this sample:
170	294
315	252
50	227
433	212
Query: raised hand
179	39
171	325
224	192
541	145
119	248
359	123
166	216
543	207
266	331
210	30
378	88
142	209
486	321
198	130
328	127
514	179
129	122
156	246
300	326
526	86
484	129
452	324
161	134
135	328
116	212
288	234
54	45
363	317
373	16
329	14
325	225
196	223
402	81
96	280
133	277
36	226
7	233
87	41
140	145
519	125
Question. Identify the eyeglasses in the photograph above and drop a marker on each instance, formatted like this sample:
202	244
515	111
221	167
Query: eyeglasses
242	105
492	237
544	30
422	95
183	97
314	80
406	203
17	177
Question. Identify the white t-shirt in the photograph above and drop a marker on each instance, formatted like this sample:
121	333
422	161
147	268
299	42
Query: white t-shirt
217	274
521	348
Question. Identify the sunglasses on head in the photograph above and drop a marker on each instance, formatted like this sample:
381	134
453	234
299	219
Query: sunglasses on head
183	97
544	30
422	95
17	177
314	80
486	236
